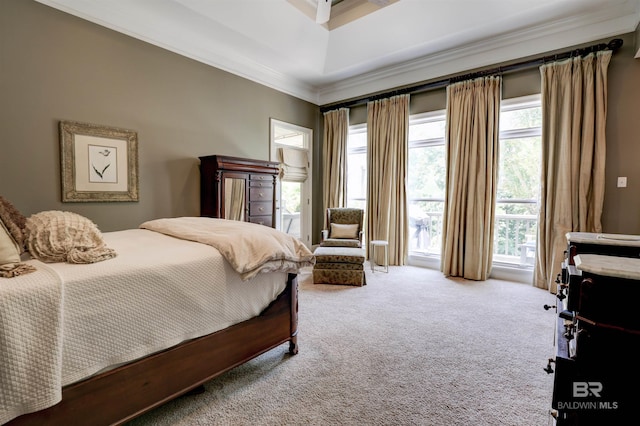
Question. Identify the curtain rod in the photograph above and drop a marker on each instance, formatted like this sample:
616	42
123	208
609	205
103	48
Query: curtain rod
613	45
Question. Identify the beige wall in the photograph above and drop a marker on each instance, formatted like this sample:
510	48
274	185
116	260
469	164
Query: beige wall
56	67
622	205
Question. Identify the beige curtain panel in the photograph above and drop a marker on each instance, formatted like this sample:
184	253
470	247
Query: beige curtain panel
473	112
334	182
387	153
574	110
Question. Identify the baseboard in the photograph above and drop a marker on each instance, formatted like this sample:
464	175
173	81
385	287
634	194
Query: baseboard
509	273
430	262
499	272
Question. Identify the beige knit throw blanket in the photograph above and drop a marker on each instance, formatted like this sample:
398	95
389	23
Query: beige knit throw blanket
11	270
249	248
57	236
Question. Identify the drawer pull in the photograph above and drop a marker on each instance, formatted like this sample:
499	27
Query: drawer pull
260	194
261	209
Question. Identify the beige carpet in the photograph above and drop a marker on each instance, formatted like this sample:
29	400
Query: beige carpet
409	348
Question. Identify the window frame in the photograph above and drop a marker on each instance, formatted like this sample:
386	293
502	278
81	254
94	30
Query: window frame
513	104
417	119
353	129
306	187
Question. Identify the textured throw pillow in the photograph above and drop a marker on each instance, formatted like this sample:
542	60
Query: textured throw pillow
57	236
14	222
343	231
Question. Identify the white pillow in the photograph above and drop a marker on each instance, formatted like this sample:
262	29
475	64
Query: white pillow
343	231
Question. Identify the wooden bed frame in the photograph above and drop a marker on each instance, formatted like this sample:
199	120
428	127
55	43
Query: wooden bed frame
119	395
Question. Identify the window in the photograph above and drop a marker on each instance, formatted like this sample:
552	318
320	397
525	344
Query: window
293	194
357	167
519	182
426	177
426	180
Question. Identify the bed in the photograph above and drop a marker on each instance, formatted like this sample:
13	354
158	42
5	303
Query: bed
175	308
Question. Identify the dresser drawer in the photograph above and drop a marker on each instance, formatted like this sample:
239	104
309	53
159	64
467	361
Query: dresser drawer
260	194
260	184
262	220
260	208
260	180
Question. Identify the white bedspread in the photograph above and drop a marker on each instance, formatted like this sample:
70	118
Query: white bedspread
66	322
30	312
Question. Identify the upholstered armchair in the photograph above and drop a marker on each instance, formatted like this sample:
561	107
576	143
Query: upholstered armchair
344	228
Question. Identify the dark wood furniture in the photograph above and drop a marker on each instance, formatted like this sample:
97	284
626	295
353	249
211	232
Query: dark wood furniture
119	395
592	243
598	331
238	188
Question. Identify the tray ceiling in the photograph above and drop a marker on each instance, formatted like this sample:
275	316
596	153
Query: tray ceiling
370	46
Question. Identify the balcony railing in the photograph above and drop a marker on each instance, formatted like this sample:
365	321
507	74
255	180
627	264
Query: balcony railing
514	235
515	239
426	233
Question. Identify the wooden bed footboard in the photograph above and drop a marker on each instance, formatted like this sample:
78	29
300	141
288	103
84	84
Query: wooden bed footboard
121	394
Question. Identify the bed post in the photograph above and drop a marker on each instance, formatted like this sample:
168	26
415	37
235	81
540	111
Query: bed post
293	343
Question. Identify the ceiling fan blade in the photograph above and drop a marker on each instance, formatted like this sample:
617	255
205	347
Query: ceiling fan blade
324	11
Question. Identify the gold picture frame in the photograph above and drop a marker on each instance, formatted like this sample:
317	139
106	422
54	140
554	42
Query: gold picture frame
99	163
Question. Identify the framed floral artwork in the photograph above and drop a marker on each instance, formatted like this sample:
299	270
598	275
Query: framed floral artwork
99	163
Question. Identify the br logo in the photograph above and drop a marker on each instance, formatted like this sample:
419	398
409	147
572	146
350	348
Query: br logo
585	389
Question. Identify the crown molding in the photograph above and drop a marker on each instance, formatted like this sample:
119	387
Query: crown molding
534	40
508	47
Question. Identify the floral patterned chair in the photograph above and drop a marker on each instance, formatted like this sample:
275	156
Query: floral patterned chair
345	228
340	257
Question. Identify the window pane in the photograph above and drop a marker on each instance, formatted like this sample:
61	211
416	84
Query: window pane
294	141
357	140
428	130
515	228
289	137
357	204
525	118
426	174
426	180
520	208
425	226
290	207
519	169
518	189
356	178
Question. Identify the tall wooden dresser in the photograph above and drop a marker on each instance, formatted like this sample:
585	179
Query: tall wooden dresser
238	188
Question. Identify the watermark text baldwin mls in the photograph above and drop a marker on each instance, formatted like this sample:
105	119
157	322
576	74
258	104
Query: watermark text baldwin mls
588	405
585	390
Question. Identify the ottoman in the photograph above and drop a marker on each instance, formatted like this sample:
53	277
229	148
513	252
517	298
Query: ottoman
339	265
